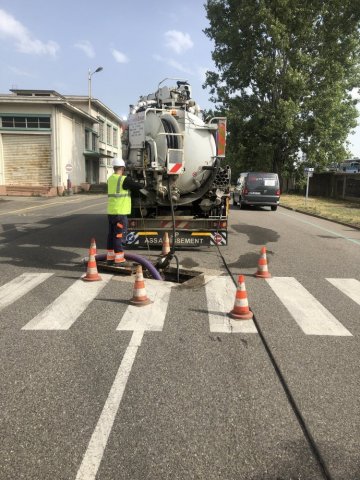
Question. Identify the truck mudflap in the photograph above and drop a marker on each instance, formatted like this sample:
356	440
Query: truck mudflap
182	238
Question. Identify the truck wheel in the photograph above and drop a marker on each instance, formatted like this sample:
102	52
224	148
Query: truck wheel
273	207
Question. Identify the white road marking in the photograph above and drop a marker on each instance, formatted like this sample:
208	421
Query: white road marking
220	293
12	291
139	319
349	286
311	316
336	234
64	311
149	317
95	450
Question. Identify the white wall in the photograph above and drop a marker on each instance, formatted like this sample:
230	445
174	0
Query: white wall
72	137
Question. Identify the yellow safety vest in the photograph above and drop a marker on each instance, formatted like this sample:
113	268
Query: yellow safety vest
119	200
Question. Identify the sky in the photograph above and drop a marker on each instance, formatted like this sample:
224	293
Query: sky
51	45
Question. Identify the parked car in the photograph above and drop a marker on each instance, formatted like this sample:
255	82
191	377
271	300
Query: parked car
257	188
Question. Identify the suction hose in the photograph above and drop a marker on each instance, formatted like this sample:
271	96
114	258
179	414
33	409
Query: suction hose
138	259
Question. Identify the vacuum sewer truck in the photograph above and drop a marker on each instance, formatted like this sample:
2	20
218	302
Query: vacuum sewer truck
167	145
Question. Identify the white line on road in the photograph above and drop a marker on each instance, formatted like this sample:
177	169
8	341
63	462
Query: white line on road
36	207
64	311
12	291
139	319
336	234
349	286
311	316
152	316
220	293
95	450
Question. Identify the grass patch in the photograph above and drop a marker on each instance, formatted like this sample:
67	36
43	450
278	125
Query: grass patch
338	210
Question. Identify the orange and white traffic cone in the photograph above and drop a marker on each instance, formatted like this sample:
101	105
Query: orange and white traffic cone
241	309
92	249
165	244
262	271
140	297
91	271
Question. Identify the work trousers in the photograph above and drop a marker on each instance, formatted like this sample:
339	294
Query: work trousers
117	232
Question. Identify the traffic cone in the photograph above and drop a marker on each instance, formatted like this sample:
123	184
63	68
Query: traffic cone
262	271
92	249
165	244
91	271
241	309
139	298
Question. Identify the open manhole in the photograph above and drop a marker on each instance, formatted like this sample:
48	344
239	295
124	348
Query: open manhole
170	274
174	275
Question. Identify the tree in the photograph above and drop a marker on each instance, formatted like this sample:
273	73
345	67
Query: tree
285	73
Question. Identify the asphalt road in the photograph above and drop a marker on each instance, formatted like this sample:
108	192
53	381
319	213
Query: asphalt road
94	389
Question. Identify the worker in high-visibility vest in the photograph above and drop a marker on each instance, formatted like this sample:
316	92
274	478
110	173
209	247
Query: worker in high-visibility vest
119	188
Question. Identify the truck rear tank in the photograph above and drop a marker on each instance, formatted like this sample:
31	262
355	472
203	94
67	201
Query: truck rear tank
168	146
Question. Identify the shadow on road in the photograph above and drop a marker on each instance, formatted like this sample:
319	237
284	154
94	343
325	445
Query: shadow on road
55	243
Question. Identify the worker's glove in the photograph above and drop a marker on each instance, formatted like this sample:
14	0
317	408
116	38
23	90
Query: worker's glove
144	192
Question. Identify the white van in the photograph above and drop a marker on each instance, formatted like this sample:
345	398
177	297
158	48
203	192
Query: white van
350	167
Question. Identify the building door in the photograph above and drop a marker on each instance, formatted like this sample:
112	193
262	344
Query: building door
27	160
92	170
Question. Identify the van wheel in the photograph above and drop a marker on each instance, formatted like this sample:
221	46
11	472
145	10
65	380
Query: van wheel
273	207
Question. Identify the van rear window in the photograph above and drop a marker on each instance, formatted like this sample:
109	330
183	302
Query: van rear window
258	180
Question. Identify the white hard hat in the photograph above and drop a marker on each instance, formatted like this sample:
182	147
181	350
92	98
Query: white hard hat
118	162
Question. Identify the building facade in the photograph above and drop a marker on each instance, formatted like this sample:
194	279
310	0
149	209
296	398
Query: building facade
50	142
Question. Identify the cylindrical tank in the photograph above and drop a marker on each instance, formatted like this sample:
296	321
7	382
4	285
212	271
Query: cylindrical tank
170	145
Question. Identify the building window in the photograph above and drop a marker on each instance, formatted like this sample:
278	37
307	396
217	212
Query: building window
91	140
101	131
10	121
87	139
115	137
94	142
108	134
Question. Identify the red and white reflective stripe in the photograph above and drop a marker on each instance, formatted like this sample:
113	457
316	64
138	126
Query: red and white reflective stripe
221	138
175	168
178	224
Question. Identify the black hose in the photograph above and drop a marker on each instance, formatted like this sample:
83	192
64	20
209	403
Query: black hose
171	254
307	434
172	140
138	259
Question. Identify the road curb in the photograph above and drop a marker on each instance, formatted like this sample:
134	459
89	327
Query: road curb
321	217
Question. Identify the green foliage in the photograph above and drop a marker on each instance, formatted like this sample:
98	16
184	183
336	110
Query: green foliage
285	72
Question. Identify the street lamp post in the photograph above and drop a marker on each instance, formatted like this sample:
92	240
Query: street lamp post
90	74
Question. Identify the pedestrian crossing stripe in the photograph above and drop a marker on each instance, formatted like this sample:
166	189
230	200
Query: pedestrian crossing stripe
65	310
309	314
348	286
20	286
220	294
